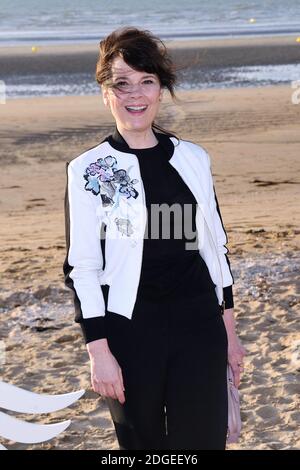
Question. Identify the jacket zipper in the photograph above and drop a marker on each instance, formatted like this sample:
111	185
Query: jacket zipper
144	207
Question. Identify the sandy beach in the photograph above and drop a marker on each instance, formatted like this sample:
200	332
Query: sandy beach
252	136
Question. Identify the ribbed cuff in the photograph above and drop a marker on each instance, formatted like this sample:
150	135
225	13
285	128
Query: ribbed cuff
228	297
93	328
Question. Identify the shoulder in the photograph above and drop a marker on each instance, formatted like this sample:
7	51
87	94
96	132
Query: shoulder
196	149
81	162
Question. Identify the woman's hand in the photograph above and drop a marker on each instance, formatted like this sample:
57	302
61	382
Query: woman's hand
106	374
236	351
236	354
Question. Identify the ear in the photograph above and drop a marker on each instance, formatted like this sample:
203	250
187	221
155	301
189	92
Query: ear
161	94
105	98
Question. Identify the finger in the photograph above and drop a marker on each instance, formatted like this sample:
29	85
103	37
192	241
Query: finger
95	384
120	396
120	393
97	390
101	389
110	390
236	375
120	388
121	379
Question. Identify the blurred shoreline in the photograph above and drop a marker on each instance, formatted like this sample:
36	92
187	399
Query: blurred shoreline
221	52
69	69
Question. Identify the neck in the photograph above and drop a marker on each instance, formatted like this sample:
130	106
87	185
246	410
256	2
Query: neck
138	139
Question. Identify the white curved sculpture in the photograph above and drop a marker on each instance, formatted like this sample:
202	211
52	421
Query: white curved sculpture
17	399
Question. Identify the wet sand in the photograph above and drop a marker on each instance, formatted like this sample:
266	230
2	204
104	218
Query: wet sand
227	52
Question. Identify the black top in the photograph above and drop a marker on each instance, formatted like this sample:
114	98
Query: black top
168	267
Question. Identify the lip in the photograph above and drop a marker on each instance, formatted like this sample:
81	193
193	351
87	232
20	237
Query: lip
137	113
136	105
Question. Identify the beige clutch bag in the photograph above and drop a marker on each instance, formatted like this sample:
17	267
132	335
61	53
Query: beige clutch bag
234	415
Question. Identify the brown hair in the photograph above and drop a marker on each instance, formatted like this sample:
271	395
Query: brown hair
142	51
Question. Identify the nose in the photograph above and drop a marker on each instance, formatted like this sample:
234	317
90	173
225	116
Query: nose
136	89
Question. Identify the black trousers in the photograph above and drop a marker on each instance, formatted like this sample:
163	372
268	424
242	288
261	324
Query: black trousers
173	356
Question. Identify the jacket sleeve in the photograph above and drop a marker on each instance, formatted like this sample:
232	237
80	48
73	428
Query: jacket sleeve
222	239
84	261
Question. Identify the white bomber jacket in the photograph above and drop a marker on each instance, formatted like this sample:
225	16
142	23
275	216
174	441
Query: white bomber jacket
105	188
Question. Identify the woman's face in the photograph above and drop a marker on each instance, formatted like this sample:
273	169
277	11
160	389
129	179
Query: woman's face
134	88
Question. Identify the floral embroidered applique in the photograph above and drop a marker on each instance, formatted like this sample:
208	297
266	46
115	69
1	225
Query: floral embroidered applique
124	226
104	177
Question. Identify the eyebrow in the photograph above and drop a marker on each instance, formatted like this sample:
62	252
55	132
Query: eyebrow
145	76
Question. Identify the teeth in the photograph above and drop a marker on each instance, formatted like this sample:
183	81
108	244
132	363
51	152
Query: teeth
136	108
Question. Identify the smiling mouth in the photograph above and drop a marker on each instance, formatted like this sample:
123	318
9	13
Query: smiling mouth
136	109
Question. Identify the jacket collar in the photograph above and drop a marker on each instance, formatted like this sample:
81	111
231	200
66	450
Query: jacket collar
117	141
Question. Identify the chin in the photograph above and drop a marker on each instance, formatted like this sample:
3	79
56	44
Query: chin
138	126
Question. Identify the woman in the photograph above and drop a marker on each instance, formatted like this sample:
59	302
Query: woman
151	308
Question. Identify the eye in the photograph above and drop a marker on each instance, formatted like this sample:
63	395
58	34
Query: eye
148	80
120	83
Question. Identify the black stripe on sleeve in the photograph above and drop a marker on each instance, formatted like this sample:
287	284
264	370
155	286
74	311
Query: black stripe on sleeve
227	291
